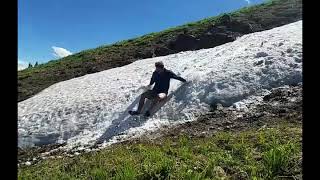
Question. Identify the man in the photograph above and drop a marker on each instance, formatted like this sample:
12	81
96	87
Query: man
161	77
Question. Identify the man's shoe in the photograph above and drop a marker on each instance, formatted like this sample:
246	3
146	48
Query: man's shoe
147	114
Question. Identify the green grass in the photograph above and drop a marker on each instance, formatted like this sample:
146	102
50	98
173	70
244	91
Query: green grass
252	154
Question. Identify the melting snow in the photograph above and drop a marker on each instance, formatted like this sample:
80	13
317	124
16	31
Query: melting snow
93	108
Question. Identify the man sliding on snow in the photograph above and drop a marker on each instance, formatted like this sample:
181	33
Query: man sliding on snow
161	77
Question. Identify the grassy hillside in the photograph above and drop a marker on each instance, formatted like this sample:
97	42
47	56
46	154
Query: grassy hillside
263	143
270	153
209	32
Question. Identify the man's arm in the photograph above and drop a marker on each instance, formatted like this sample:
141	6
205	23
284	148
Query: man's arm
174	76
152	79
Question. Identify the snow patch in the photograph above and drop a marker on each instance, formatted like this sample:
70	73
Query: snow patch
93	108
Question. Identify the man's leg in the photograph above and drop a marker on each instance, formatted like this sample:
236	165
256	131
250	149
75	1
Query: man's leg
148	94
160	97
153	103
142	100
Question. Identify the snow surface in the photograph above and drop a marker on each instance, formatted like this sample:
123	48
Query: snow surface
93	108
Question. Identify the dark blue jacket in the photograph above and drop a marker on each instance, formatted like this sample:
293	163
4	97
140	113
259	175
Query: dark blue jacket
162	80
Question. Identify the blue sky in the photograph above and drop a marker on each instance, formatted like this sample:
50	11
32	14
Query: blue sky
49	29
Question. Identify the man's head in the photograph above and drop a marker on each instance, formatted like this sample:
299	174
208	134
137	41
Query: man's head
159	66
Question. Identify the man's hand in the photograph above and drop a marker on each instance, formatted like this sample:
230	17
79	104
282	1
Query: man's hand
186	82
149	87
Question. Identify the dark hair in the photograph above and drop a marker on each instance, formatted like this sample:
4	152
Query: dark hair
159	64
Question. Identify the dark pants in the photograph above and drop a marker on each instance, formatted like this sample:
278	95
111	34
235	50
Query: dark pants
152	95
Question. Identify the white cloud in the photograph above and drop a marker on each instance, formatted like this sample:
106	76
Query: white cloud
60	52
248	1
22	65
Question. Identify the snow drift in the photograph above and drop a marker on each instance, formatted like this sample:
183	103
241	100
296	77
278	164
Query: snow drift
93	108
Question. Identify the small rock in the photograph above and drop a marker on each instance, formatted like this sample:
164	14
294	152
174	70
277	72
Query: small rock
263	127
298	60
280	44
28	163
122	133
229	122
87	150
189	171
283	110
219	106
294	99
45	153
76	153
174	143
257	157
261	54
219	172
54	150
257	115
258	63
34	159
289	50
293	65
81	148
202	135
268	62
239	116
